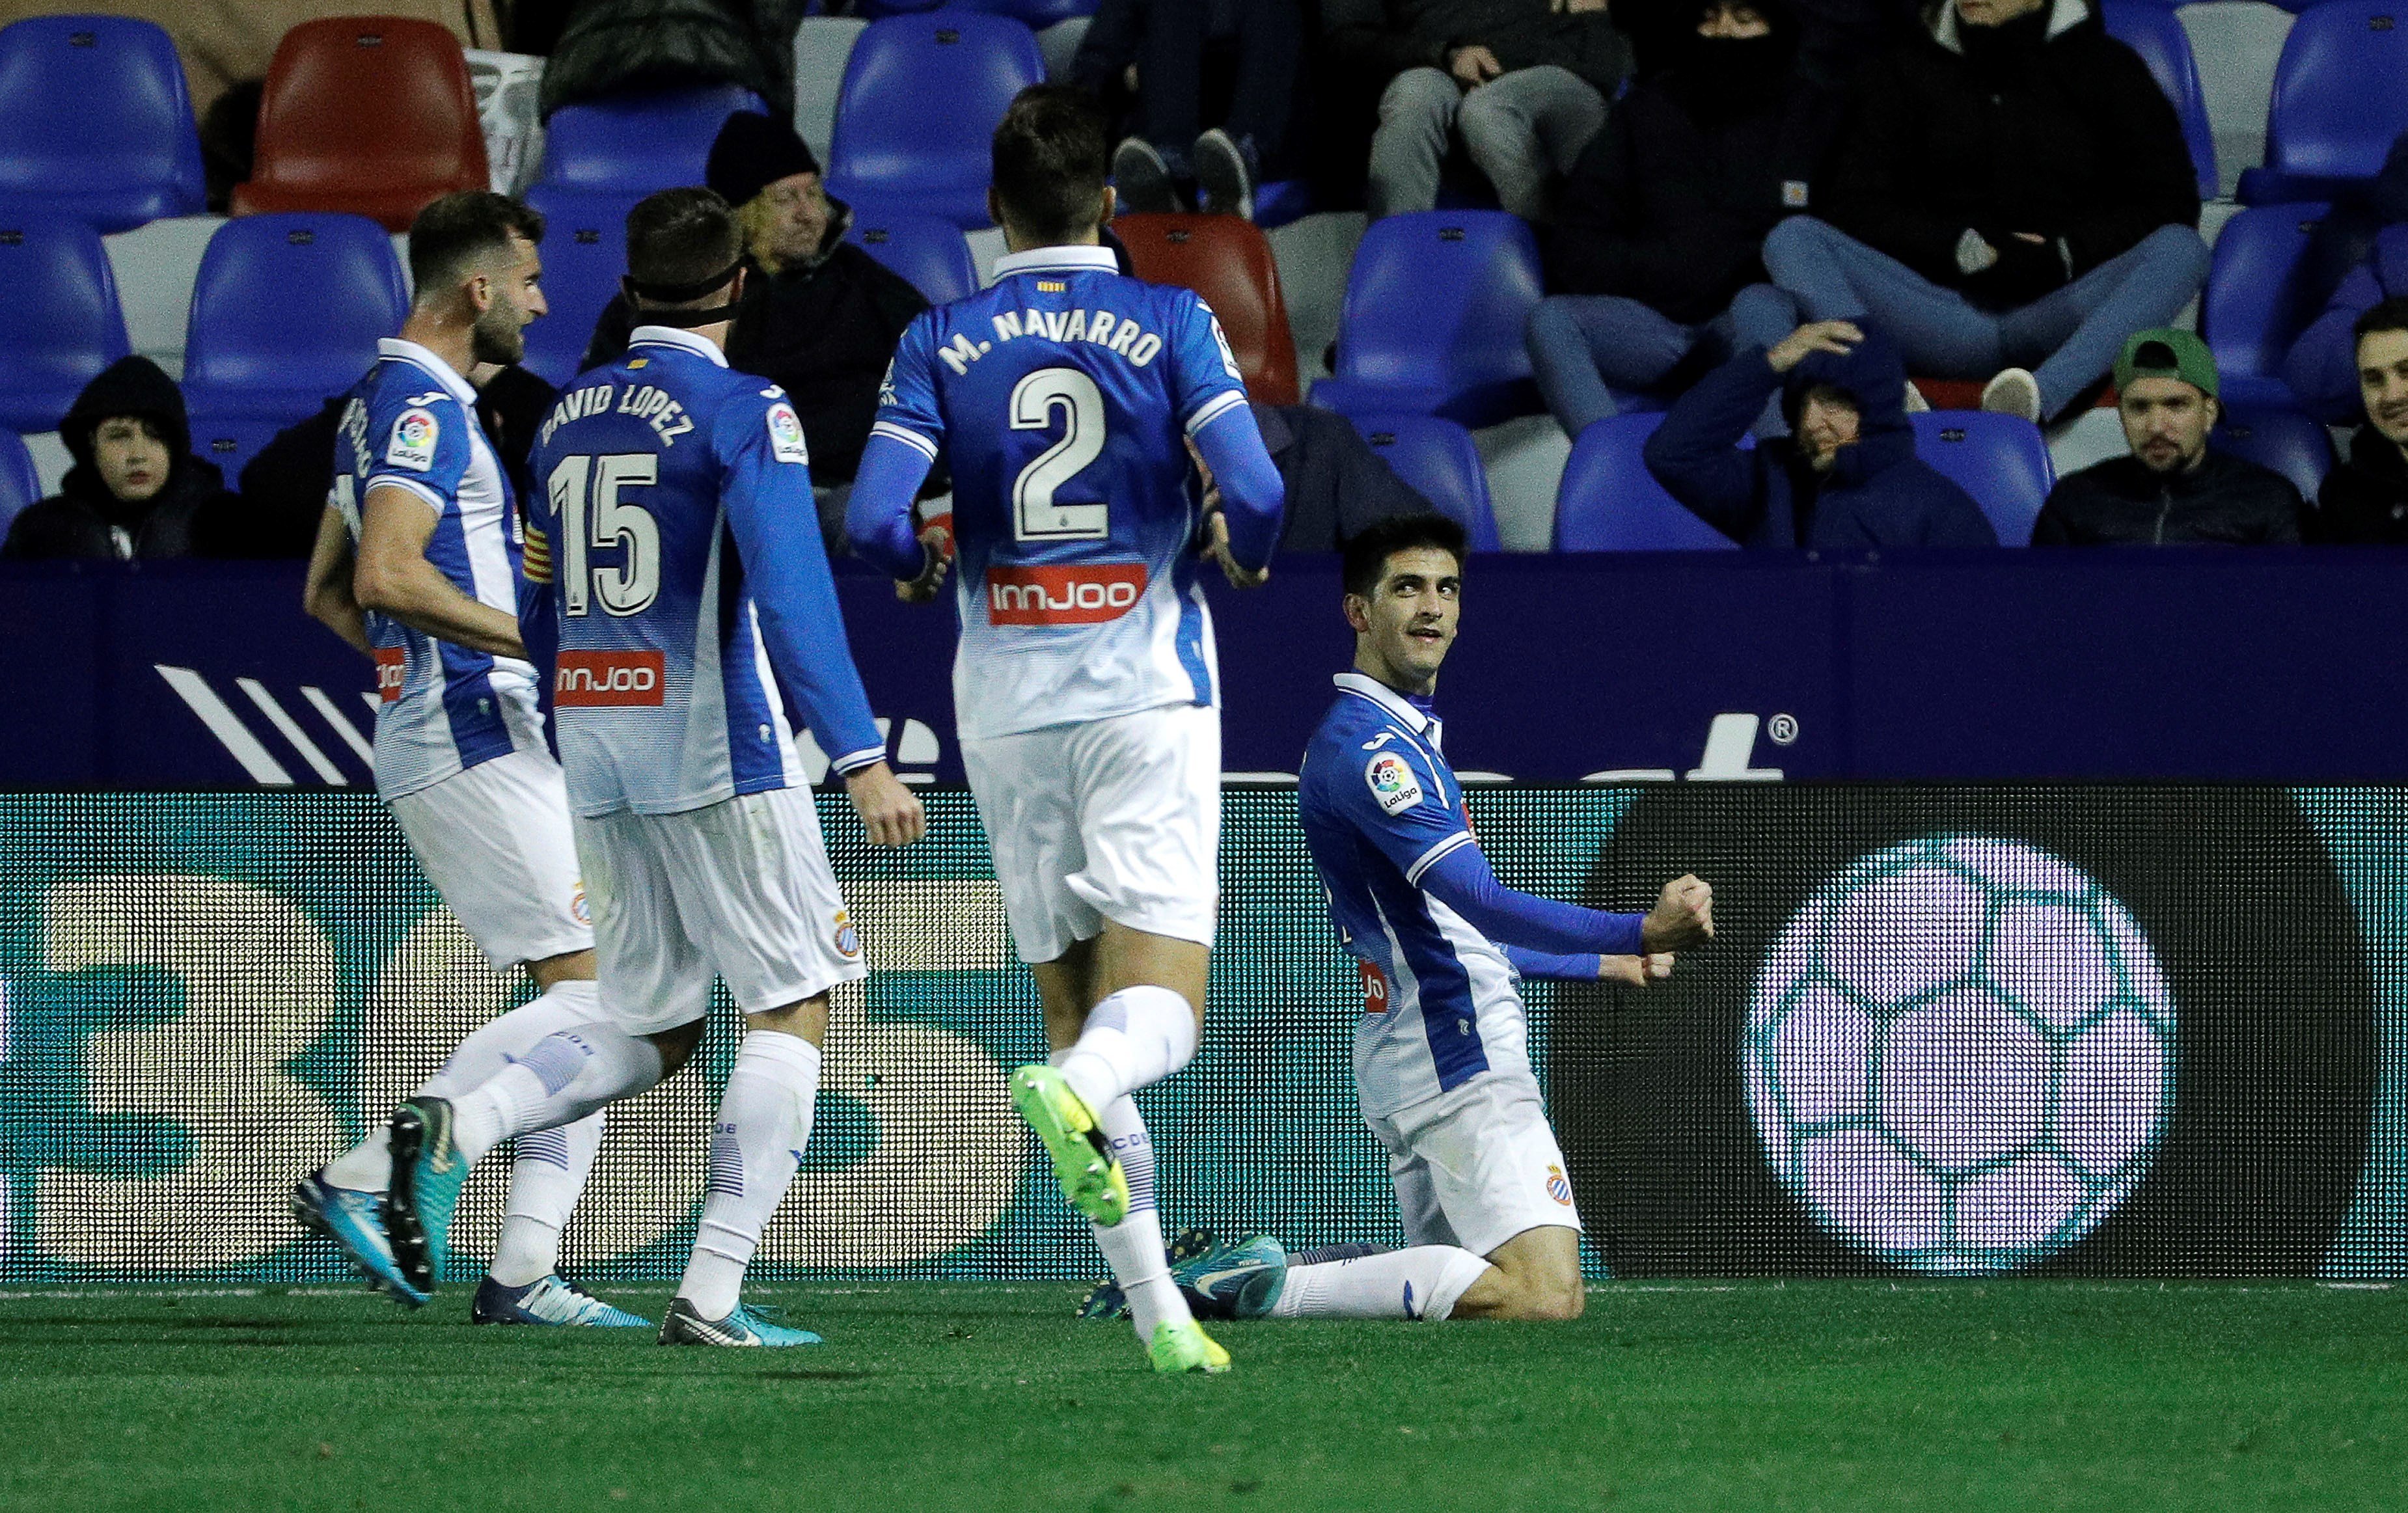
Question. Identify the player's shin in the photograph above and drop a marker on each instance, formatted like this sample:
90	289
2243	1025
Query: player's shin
1133	1039
561	1079
1422	1282
1133	1247
764	1119
547	1174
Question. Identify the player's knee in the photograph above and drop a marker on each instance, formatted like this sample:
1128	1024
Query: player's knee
1542	1295
676	1045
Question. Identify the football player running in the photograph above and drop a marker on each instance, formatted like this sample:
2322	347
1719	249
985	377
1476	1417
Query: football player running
1065	399
418	563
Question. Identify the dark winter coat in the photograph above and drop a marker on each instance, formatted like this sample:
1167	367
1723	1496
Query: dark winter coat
618	47
1336	485
83	519
2224	501
1878	493
2053	128
1369	42
2364	502
1388	36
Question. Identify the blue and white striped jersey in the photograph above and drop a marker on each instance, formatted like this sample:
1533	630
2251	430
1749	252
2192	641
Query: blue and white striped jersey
1063	398
412	422
680	546
1380	806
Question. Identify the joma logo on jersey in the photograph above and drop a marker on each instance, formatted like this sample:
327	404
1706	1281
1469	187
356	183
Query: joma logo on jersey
609	680
1083	596
392	670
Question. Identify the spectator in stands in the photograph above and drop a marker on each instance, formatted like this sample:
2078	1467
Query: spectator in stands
1846	476
2172	489
1336	485
1524	82
1154	63
2365	500
623	47
822	317
136	489
2357	256
1654	260
2013	198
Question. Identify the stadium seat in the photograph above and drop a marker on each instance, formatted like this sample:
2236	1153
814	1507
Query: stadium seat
585	254
59	323
823	47
1608	501
2151	29
2340	97
876	10
20	485
1229	262
892	147
1036	15
2000	460
1438	459
2290	442
1432	322
633	143
287	311
929	252
95	123
365	115
2254	307
232	443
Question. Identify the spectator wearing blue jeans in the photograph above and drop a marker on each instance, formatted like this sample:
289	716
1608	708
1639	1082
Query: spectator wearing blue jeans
2011	200
1653	267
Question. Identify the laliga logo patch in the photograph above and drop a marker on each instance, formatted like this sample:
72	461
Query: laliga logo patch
414	441
579	909
848	939
786	434
1557	1187
1394	787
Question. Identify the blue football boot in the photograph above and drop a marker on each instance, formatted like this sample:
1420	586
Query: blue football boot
743	1326
428	1172
354	1221
548	1300
1233	1282
1105	1300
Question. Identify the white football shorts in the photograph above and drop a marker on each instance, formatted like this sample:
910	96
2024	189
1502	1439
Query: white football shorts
495	842
1477	1165
1115	819
741	888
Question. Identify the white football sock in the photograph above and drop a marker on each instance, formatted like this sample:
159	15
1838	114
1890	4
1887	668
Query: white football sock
1422	1283
547	1173
1133	1247
764	1119
562	1077
1133	1039
367	1167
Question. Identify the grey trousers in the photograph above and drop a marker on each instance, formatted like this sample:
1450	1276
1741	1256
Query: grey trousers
1523	130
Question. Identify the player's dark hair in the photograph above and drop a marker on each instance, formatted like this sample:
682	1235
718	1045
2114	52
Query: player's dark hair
1051	160
451	236
1367	551
2383	315
682	244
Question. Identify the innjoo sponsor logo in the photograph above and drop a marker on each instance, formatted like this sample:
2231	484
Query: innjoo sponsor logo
1087	594
392	669
608	680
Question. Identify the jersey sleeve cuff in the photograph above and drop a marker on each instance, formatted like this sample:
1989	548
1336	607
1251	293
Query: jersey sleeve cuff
424	491
853	762
1429	858
905	435
1214	407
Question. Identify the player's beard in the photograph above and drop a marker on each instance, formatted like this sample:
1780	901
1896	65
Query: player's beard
499	334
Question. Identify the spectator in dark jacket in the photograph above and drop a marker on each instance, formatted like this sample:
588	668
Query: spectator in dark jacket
2364	500
620	47
2012	198
2172	489
1654	261
1158	64
1525	81
136	489
1336	485
1846	476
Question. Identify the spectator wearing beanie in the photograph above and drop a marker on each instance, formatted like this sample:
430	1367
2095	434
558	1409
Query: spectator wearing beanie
820	316
2364	502
2011	199
2172	490
136	489
1654	263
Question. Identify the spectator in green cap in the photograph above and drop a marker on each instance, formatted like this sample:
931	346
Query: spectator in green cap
2172	489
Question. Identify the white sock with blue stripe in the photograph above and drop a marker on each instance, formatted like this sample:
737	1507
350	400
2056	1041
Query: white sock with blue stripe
1133	1039
764	1119
547	1173
1422	1283
1133	1247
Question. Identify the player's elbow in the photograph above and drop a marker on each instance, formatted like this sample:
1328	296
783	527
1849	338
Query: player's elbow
375	585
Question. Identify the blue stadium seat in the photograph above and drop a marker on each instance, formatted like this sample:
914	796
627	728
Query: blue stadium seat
2290	442
1608	502
1036	15
929	252
891	147
2254	307
287	311
95	123
2340	97
585	254
59	323
633	143
1432	322
231	443
874	9
2150	29
1438	459
20	485
2000	460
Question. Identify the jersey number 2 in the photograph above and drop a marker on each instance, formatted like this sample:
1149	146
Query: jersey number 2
1034	399
584	494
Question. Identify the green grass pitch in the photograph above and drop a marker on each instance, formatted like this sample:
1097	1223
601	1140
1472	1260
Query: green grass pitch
1840	1396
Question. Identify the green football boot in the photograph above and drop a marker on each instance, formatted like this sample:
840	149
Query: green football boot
1090	1174
1183	1348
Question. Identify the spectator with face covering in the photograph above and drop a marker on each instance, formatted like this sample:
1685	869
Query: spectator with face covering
1846	476
136	489
2172	490
1653	263
819	317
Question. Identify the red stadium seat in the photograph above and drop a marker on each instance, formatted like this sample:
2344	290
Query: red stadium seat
1228	261
370	115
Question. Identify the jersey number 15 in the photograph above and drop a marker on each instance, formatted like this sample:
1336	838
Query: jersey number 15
584	494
